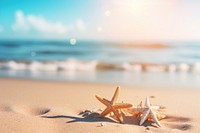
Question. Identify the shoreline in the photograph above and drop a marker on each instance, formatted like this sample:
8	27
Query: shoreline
158	83
45	106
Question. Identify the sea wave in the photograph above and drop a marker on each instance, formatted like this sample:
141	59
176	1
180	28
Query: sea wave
54	52
77	65
9	45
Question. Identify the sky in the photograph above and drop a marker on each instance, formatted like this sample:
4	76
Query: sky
130	20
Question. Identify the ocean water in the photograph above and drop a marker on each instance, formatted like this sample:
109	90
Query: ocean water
177	65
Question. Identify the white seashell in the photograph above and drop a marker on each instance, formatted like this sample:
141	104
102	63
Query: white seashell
102	124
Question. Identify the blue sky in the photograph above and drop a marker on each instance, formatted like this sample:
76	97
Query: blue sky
100	19
69	13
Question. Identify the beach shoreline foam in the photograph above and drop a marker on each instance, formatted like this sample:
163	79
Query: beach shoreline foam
44	106
78	65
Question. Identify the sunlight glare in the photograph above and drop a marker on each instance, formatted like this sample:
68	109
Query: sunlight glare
107	13
136	4
99	29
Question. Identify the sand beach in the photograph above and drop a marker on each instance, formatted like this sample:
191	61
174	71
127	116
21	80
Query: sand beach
42	106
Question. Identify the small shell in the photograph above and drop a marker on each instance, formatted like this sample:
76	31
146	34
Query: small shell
102	124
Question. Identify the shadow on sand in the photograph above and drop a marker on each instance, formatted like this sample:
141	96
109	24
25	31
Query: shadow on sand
180	122
93	117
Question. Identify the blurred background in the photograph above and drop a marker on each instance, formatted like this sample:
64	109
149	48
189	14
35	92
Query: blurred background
144	43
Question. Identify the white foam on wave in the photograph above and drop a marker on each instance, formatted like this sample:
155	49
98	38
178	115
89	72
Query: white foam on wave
183	67
172	68
77	65
68	65
196	67
129	67
16	66
34	66
156	68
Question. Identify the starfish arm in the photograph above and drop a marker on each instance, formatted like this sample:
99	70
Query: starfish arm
115	96
141	109
103	100
118	116
153	116
140	104
122	105
105	112
160	116
147	102
155	107
144	116
107	101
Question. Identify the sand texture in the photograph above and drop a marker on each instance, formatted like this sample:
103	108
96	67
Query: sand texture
28	106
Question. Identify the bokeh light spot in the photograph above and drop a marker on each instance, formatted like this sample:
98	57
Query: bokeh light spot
72	41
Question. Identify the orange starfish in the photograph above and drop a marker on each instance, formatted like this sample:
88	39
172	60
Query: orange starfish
113	106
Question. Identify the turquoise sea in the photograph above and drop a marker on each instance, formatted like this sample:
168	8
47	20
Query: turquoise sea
177	65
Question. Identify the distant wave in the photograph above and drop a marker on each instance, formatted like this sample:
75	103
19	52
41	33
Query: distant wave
49	52
77	65
9	45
